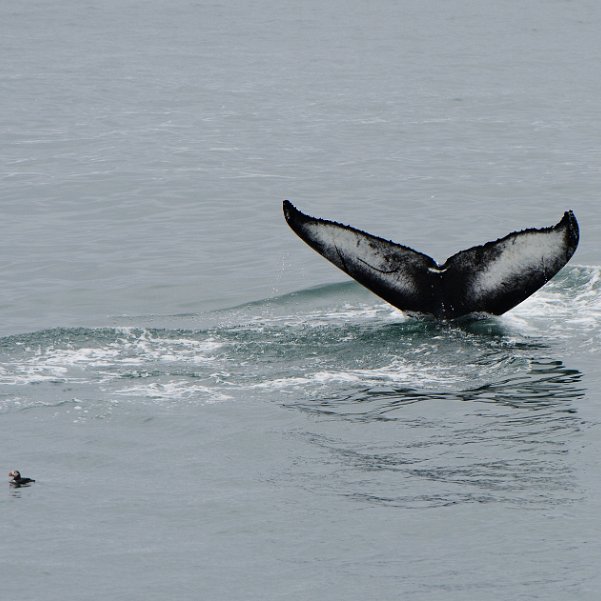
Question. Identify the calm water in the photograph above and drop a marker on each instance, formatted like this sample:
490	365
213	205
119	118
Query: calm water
210	409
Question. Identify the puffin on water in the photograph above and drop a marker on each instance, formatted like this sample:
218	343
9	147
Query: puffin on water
17	480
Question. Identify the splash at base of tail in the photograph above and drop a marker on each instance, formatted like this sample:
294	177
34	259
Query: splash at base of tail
491	278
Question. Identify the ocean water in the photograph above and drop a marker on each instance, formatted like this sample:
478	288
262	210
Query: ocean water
211	410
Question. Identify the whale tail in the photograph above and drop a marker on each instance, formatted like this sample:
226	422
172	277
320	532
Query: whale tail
491	278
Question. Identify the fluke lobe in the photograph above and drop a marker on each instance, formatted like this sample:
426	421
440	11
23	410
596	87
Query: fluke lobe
491	278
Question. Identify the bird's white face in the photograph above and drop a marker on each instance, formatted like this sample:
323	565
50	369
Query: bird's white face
14	474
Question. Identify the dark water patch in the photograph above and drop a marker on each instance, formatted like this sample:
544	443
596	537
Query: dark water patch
546	383
535	385
436	456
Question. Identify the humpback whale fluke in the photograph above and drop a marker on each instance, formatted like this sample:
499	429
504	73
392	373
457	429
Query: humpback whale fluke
491	278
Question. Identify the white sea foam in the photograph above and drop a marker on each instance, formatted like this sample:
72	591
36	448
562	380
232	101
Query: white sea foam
551	312
173	391
163	365
360	313
32	372
400	372
133	350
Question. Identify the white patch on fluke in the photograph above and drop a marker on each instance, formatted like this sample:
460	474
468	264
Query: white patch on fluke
535	251
350	250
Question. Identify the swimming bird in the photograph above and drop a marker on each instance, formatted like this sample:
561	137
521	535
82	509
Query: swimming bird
17	479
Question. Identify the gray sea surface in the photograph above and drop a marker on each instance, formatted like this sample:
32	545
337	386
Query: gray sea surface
210	409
